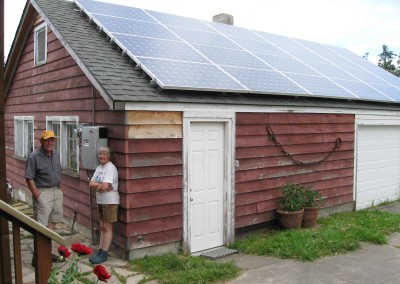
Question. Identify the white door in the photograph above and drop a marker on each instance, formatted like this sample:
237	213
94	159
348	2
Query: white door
206	185
378	165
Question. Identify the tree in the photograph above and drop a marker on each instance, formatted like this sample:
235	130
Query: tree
386	61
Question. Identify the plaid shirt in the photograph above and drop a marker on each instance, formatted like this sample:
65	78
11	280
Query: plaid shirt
43	169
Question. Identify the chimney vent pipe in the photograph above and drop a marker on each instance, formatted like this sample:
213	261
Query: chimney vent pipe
223	18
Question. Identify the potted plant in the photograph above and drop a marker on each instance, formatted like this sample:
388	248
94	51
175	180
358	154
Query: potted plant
312	205
290	212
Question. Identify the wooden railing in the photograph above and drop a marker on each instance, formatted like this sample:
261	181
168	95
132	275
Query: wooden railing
42	237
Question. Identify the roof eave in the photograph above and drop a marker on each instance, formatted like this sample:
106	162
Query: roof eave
21	36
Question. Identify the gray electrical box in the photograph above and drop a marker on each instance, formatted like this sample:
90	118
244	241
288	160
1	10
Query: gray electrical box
93	137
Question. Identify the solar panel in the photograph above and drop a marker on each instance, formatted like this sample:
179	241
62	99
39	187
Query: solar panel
328	70
387	89
266	81
158	48
231	57
114	26
286	64
183	22
108	9
275	39
296	51
233	31
202	37
183	53
197	76
367	91
364	75
321	85
258	46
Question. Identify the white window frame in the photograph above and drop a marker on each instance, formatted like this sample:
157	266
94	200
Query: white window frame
60	124
23	136
39	45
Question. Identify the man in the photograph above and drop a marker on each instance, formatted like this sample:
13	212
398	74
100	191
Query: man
43	176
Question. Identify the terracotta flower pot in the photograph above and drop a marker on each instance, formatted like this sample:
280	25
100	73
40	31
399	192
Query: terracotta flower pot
310	217
290	220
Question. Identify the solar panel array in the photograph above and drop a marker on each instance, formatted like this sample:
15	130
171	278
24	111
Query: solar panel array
183	53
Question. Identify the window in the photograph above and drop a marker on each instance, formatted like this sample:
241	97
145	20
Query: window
23	135
66	143
40	47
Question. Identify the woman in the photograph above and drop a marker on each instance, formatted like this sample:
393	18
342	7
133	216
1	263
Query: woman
105	182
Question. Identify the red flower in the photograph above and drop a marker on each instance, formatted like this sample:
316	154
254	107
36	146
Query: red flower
101	273
81	249
63	251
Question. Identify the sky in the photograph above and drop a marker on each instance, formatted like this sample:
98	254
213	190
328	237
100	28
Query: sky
361	26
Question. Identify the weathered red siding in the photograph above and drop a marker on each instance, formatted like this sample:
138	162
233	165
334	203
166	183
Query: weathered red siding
57	88
263	168
151	206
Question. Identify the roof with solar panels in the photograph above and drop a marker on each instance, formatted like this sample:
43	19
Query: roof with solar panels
142	55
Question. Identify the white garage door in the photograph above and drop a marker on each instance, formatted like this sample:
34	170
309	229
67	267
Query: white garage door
378	165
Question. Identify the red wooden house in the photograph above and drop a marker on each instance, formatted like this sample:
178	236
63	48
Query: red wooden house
196	165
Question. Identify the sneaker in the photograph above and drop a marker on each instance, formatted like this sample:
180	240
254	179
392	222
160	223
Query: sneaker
99	258
96	253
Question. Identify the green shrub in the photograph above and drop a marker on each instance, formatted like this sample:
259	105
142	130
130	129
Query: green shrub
292	197
312	198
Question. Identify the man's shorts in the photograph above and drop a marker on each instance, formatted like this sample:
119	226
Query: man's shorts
108	212
49	207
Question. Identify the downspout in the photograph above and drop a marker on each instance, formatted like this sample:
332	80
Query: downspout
92	228
93	107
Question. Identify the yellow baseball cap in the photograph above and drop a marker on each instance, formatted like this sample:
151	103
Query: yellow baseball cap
46	134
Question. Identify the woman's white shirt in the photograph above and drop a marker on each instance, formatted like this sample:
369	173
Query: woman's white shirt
107	173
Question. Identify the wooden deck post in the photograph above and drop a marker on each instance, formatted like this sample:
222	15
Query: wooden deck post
5	266
42	244
17	253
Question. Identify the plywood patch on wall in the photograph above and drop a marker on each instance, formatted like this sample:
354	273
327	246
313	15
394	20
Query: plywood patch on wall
154	124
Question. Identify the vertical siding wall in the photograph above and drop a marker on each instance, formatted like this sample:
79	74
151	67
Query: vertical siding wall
152	205
263	168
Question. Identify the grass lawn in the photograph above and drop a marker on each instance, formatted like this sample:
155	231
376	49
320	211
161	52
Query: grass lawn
177	269
335	234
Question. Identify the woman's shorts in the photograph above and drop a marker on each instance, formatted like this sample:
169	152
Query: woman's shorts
108	212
